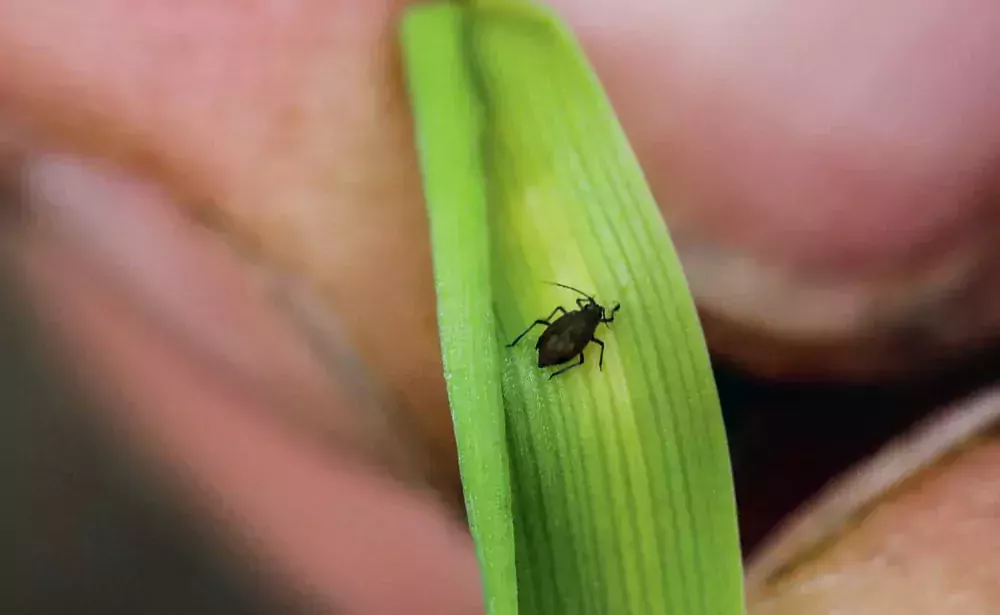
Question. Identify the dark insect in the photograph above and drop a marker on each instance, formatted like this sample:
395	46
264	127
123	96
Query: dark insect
570	333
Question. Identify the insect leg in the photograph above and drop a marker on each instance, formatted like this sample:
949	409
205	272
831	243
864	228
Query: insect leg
600	362
565	369
609	316
541	321
558	309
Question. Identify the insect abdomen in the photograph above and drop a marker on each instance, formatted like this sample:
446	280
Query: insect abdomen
557	348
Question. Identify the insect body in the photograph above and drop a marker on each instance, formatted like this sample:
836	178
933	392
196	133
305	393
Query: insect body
567	337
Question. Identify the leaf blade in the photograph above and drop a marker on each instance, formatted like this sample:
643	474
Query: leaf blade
621	492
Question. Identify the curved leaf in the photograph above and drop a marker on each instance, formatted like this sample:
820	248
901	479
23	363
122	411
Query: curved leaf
605	492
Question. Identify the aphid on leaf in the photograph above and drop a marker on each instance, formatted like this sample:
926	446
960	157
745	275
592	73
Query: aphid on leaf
570	333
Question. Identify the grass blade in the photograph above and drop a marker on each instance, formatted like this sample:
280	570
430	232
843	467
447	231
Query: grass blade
595	492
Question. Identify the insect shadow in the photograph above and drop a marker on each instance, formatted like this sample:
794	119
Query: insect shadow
568	336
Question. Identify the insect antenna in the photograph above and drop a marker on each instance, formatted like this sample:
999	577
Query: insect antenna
573	289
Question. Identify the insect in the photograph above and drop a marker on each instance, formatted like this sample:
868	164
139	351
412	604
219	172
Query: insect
569	335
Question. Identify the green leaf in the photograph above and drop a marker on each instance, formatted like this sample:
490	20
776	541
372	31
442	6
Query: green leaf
605	492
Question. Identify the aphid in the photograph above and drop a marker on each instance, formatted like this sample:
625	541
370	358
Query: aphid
570	333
